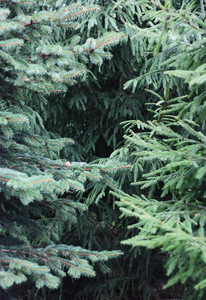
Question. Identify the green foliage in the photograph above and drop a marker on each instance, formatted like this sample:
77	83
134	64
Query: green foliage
41	194
177	228
77	69
168	151
97	107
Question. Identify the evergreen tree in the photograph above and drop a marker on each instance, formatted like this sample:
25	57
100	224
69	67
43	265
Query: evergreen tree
168	151
97	107
41	193
61	77
91	112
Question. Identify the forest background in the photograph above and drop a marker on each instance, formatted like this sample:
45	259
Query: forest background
102	149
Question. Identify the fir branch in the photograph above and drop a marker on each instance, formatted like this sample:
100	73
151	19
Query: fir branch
84	10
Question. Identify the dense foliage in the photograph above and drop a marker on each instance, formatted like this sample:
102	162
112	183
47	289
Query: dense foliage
75	76
41	193
168	151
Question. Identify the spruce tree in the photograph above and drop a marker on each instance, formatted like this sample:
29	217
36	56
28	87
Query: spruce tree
168	151
97	107
91	113
40	192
